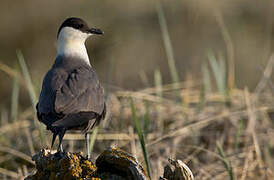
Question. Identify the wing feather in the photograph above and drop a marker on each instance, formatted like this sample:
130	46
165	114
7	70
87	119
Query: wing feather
79	92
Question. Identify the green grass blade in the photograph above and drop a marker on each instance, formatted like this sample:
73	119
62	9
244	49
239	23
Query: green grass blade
223	79
146	119
27	79
206	78
225	161
158	83
93	138
219	72
140	135
159	92
206	87
15	98
30	88
167	44
269	156
239	131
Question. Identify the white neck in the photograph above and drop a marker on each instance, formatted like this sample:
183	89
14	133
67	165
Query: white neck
71	42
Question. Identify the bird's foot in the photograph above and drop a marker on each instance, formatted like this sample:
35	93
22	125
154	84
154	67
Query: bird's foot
59	154
87	157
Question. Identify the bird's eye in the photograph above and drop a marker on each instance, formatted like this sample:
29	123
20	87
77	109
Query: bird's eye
80	26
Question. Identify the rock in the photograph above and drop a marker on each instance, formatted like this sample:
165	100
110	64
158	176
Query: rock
177	170
113	164
66	165
120	163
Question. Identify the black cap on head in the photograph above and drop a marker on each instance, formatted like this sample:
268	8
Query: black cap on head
79	24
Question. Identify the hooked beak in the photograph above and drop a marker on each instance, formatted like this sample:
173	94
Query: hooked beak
96	31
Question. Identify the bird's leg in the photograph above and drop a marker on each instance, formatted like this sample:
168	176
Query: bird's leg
53	140
60	148
87	144
61	135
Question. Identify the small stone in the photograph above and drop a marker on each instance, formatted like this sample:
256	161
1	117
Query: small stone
177	170
120	163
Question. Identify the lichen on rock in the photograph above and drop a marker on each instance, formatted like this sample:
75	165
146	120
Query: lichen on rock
113	164
62	165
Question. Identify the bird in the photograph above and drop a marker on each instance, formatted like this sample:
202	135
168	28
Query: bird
71	96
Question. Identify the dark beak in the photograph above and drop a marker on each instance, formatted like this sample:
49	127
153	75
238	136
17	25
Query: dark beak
96	31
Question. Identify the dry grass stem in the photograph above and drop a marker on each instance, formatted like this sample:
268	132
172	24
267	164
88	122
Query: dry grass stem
17	154
11	174
189	131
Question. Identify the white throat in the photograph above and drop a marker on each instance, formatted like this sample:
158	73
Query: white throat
71	43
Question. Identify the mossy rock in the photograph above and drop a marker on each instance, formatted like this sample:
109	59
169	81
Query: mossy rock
64	165
117	162
112	164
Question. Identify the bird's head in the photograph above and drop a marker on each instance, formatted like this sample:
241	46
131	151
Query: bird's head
76	29
72	35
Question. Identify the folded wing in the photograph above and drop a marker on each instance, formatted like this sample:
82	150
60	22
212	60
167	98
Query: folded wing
70	98
79	92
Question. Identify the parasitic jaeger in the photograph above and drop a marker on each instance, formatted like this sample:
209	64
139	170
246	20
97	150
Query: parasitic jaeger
71	97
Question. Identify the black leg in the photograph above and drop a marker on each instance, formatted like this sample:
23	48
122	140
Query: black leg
53	139
61	135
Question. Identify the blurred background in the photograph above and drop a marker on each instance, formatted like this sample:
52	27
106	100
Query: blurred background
147	44
132	46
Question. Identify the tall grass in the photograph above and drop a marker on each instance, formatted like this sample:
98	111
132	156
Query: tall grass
140	135
213	123
206	87
219	71
226	162
206	79
15	98
158	83
27	79
167	44
159	93
31	91
146	119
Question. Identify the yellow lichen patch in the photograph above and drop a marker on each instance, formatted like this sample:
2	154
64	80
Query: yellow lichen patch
89	165
111	164
62	166
88	169
70	166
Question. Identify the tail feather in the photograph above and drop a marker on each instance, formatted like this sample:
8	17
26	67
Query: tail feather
75	120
